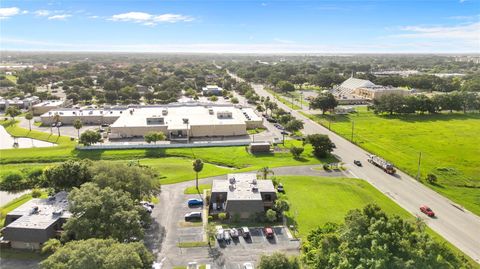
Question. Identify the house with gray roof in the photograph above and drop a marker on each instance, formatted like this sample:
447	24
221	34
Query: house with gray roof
242	195
33	223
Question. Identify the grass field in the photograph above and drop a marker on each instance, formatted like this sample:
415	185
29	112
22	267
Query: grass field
173	165
315	201
331	198
201	188
449	144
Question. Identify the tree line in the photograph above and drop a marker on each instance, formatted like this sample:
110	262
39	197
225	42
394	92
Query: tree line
454	101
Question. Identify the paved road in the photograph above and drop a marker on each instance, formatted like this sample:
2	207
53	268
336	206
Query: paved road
457	225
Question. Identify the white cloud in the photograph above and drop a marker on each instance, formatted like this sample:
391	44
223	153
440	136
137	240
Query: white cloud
59	17
466	32
283	41
150	19
42	13
8	12
93	17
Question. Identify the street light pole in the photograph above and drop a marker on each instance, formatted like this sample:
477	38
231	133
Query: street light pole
419	162
353	127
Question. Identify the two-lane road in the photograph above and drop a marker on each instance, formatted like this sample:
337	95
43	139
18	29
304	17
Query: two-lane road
458	226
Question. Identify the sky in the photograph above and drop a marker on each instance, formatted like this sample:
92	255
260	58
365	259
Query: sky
249	26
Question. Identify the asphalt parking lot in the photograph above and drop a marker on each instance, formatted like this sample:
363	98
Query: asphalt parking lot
244	250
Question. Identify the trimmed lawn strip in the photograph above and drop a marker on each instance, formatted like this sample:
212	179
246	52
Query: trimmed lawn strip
448	142
201	188
193	244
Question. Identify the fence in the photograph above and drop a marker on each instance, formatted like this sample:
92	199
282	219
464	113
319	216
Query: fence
165	146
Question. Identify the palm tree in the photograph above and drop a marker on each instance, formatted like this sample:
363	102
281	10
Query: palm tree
56	119
197	167
264	172
78	125
29	117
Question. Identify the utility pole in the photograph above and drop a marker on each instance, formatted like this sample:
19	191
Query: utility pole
419	162
353	127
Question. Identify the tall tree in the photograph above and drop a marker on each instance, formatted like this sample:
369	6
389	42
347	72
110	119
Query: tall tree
77	124
103	213
68	175
139	181
324	102
369	238
90	137
322	145
12	111
154	137
278	260
100	254
197	167
29	117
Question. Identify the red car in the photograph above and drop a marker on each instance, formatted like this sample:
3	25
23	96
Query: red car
427	211
268	232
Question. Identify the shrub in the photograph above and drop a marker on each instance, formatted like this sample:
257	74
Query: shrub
271	215
222	216
296	152
36	193
431	178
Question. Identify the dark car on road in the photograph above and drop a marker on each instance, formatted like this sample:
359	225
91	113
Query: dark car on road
357	163
193	216
427	211
195	202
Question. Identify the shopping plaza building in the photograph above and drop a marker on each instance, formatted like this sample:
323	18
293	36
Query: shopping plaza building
177	121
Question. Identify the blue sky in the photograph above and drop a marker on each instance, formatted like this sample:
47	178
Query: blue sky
382	26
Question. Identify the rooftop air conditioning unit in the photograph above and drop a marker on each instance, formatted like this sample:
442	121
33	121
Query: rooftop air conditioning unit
232	180
254	189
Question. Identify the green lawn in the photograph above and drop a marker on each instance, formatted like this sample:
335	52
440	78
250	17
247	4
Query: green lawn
318	200
449	144
201	188
173	165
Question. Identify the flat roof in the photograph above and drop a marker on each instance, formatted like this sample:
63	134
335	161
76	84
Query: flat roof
50	103
243	186
49	211
196	113
84	112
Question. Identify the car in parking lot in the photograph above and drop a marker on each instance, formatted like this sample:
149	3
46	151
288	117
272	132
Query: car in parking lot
279	126
234	233
245	232
226	235
219	234
427	211
272	120
193	216
268	231
195	202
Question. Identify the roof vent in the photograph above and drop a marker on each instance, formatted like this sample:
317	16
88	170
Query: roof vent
232	180
255	189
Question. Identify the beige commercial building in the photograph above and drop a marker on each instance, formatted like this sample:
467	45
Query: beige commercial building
87	116
178	121
183	121
46	106
378	91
